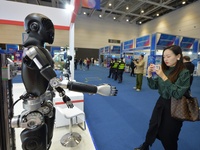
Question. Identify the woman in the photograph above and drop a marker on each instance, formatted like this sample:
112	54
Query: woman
173	81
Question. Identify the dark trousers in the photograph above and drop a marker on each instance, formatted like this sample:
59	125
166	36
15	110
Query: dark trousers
163	127
110	72
132	72
120	75
114	75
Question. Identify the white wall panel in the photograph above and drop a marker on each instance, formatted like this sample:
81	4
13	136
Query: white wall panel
18	11
94	33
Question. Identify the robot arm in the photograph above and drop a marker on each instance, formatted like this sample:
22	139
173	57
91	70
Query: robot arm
104	89
48	72
45	69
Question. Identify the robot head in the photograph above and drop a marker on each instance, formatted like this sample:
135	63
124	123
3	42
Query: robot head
40	25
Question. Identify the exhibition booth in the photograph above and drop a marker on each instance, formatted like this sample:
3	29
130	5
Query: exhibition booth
151	46
107	53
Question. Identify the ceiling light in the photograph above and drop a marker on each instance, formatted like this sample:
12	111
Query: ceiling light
140	22
142	11
110	4
183	2
127	8
100	16
69	7
114	18
157	15
127	20
84	13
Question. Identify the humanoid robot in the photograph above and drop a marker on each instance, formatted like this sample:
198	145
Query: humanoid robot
40	81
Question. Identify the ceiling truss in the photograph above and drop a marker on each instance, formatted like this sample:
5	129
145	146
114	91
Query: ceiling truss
118	10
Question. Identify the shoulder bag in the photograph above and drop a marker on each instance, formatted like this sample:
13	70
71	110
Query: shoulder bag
185	109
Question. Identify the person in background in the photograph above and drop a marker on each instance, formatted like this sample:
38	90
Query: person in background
172	80
88	63
120	70
132	66
190	66
110	68
80	63
75	63
116	63
139	64
92	61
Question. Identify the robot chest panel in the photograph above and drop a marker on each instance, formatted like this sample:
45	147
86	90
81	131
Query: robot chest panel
33	81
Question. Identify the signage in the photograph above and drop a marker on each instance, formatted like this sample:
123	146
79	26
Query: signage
114	41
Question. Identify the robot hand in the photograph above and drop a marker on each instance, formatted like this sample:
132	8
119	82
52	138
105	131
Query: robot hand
68	102
65	98
107	90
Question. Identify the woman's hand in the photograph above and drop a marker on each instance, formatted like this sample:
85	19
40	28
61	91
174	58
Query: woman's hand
159	72
150	70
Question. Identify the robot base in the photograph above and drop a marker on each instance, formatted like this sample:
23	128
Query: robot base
71	139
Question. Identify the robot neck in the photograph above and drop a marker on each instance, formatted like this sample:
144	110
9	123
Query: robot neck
33	41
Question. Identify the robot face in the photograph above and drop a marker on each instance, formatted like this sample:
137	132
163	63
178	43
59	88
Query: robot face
40	25
47	32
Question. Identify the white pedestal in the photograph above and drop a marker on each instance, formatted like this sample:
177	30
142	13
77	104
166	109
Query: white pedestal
78	100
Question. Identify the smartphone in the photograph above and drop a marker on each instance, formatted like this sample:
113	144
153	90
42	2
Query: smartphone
156	67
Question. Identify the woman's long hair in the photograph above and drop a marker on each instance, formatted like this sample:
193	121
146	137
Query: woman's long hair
179	65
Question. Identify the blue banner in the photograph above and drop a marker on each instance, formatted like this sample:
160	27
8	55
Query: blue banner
101	50
153	45
127	45
166	40
107	49
195	46
143	41
116	49
186	43
11	48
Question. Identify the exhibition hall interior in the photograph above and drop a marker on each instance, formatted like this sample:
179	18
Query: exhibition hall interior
61	85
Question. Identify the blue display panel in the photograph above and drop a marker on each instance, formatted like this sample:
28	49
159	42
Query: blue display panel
116	50
127	45
186	43
166	40
143	41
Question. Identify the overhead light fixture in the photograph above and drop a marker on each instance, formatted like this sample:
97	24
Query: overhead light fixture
114	18
127	20
84	13
183	2
142	11
100	16
110	4
140	22
157	14
127	8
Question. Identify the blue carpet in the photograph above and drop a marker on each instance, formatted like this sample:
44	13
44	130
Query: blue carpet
121	122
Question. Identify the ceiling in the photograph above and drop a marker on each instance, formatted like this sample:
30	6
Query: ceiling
118	10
